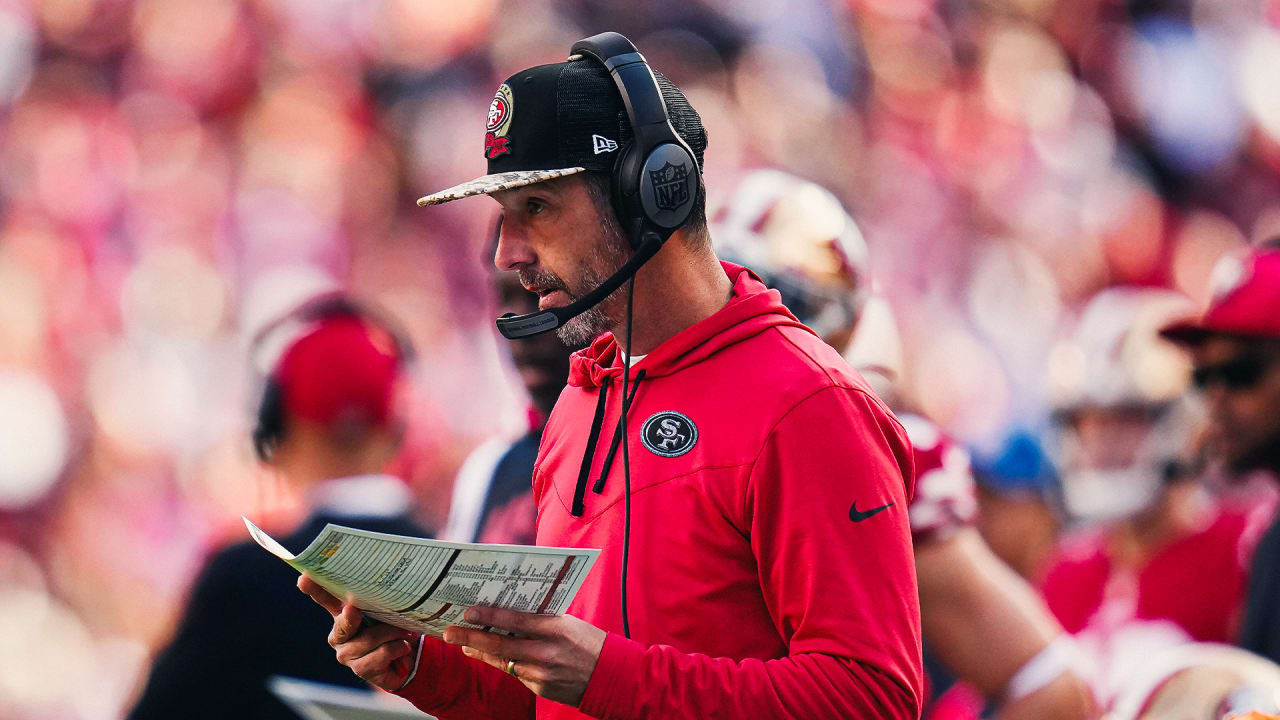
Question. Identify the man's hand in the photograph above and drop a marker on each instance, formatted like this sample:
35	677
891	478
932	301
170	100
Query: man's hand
554	655
382	655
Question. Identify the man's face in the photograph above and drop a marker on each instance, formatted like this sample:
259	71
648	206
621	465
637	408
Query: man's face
562	246
1115	460
1109	438
1241	383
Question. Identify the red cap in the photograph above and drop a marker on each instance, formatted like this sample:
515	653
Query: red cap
1246	301
342	369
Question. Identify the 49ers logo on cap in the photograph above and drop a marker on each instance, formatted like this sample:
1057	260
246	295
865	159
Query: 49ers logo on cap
669	434
500	111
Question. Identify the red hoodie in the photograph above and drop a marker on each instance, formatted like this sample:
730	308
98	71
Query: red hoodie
752	591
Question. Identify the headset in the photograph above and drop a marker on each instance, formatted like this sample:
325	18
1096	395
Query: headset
270	428
655	180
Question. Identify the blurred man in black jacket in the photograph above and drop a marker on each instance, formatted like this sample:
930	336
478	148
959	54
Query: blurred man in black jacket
1236	350
328	424
493	493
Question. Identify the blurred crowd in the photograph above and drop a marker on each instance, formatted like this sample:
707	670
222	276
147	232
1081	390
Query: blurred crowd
173	174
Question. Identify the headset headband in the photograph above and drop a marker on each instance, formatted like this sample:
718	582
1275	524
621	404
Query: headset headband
336	304
641	96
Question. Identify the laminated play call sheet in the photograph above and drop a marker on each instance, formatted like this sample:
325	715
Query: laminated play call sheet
425	585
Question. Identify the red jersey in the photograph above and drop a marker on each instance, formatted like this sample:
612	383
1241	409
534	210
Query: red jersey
945	498
1196	581
770	572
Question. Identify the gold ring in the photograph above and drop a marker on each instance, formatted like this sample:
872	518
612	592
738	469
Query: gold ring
511	668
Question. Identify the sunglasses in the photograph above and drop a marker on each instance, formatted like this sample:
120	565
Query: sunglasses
1238	374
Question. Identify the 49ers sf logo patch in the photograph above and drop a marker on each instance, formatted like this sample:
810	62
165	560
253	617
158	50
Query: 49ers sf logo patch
669	434
501	110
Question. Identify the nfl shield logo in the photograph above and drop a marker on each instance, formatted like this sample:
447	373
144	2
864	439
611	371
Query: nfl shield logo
670	186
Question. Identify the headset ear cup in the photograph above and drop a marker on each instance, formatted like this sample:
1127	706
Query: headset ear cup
623	194
668	180
270	426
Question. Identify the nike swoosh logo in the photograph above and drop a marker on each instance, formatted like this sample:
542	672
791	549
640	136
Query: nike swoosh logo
856	516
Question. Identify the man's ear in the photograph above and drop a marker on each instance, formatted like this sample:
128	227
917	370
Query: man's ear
269	429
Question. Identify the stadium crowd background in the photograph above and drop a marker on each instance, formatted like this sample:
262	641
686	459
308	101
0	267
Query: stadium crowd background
174	173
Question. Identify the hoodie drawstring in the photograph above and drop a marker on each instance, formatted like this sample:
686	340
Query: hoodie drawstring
580	490
617	436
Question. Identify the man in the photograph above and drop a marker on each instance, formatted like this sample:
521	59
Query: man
754	522
328	425
983	621
1235	348
493	493
1130	470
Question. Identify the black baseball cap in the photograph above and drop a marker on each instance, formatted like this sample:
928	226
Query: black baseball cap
551	121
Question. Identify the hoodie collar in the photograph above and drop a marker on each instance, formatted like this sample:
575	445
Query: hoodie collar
751	310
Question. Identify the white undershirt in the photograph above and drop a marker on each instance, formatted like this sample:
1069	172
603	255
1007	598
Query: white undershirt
633	359
360	495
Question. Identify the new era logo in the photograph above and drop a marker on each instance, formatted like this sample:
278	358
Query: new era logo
602	144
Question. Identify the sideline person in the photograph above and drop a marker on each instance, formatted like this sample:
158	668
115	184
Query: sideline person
756	553
328	425
1235	348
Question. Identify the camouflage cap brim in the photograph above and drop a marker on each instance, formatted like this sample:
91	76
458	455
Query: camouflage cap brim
495	183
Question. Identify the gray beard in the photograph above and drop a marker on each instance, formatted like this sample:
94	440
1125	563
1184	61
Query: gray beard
580	331
597	320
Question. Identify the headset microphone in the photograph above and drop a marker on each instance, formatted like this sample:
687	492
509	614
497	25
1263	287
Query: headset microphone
515	327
